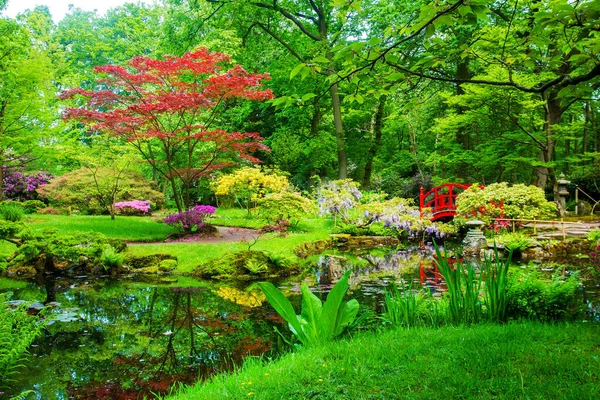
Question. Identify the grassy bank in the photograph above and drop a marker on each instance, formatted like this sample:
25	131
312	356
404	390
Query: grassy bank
513	361
189	254
142	229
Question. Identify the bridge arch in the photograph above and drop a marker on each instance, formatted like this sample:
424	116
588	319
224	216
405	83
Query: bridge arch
441	200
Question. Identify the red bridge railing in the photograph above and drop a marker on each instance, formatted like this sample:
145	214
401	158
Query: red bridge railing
441	200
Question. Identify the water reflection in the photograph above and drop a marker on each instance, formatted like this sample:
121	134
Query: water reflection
123	340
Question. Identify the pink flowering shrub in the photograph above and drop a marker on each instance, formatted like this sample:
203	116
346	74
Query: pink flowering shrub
133	207
190	220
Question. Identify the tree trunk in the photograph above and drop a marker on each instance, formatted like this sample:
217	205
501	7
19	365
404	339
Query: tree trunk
462	134
376	129
340	135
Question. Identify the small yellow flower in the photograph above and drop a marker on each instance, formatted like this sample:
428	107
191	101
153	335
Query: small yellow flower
320	380
342	369
249	383
250	393
267	374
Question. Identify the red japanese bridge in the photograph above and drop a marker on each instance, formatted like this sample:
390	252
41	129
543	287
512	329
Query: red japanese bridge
441	200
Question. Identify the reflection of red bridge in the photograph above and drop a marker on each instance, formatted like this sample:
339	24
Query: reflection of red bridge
441	200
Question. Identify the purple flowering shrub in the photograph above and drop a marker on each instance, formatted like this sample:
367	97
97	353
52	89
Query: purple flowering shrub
401	218
190	220
18	186
337	197
133	207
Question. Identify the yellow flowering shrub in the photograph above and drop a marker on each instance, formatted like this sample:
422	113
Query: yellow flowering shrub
248	185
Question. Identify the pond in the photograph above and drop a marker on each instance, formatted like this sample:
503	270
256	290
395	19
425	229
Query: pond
124	339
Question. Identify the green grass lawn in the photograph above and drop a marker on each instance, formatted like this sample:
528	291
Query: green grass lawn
143	229
514	361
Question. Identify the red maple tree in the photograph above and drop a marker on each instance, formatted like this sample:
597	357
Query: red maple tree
168	108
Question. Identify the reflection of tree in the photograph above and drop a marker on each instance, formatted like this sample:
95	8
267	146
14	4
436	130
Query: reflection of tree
143	338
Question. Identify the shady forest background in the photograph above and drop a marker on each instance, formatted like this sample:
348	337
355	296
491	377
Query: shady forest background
394	94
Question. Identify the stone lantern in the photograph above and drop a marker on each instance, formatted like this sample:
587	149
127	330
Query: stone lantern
474	241
563	193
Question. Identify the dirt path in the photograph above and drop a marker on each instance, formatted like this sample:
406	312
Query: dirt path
225	234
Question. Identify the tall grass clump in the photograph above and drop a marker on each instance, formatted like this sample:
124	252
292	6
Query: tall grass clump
10	211
464	286
495	273
401	306
476	294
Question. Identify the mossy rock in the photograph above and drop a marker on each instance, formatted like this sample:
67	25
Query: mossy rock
247	265
21	271
167	265
152	260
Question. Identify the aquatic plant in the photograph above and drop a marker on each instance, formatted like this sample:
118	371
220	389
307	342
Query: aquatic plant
401	305
318	322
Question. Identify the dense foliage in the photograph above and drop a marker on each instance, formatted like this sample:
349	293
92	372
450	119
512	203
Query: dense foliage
499	199
247	185
95	191
18	330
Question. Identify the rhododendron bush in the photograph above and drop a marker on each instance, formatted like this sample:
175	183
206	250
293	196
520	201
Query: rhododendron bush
20	186
169	111
134	207
190	220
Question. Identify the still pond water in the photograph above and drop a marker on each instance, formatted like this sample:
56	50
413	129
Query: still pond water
127	339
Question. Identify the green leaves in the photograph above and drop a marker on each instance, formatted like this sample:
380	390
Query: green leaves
317	323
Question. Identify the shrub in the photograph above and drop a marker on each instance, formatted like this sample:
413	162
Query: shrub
190	220
594	235
53	249
288	206
81	191
33	206
16	185
11	211
518	202
400	217
133	207
248	185
337	197
531	296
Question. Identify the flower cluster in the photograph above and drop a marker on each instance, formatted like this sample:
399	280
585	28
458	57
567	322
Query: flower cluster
402	218
133	207
190	220
337	197
16	185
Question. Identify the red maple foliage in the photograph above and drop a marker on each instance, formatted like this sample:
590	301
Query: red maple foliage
168	108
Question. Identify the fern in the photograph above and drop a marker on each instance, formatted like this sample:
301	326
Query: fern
17	331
